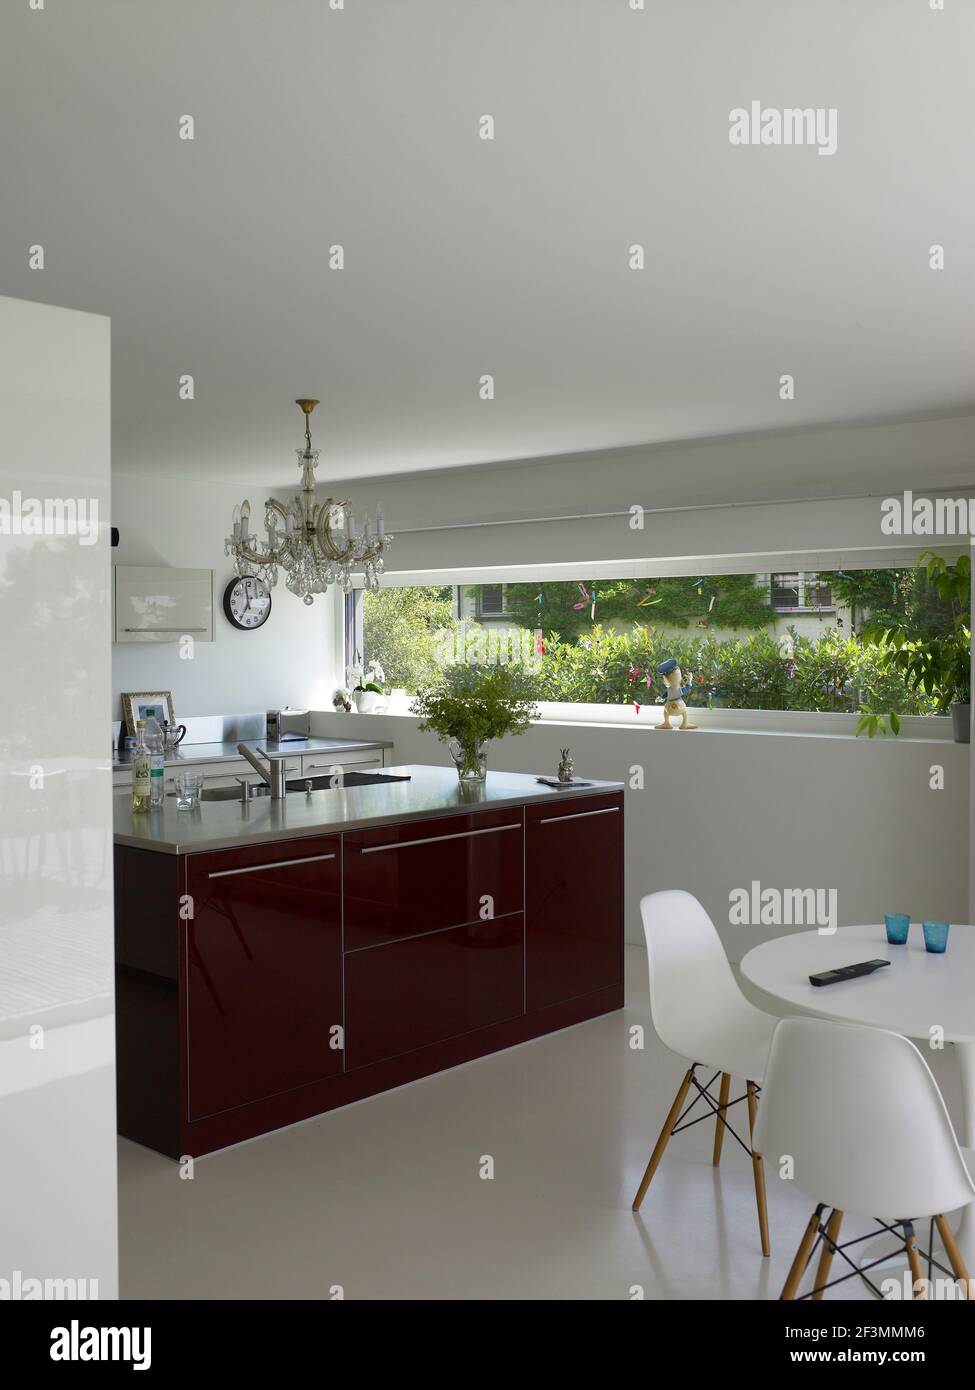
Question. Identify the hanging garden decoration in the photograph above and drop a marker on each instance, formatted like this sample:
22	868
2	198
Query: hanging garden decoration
648	599
586	598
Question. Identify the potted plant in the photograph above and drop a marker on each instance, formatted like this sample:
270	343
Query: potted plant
940	666
470	705
367	685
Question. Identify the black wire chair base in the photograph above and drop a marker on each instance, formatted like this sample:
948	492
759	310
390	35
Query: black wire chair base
859	1271
714	1109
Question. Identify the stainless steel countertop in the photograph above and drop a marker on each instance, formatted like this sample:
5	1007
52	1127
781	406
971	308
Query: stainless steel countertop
189	753
432	791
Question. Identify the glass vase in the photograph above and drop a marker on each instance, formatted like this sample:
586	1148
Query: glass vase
470	759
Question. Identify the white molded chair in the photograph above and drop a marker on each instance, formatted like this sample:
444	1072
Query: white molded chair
862	1118
700	1013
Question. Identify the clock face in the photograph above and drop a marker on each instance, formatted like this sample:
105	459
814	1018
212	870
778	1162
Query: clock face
247	603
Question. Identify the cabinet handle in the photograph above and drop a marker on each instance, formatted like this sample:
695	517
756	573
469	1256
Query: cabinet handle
345	767
279	864
165	629
436	839
578	815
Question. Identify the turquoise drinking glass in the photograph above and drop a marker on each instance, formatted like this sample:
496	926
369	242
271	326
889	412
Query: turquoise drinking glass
898	924
936	937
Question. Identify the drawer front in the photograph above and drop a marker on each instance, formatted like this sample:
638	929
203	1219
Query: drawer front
423	876
412	993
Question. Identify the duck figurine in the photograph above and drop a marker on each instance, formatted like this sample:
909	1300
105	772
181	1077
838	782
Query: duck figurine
673	697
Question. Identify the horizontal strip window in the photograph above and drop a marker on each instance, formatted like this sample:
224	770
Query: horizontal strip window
785	639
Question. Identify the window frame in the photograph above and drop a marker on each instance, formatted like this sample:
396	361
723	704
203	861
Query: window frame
353	628
817	723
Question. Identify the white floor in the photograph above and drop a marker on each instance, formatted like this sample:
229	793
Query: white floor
385	1199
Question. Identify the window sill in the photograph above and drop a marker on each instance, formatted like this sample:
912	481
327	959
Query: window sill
929	729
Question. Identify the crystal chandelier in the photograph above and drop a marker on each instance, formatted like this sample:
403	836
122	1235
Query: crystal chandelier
300	536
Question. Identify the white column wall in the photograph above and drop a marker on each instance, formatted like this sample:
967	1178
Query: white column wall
58	1194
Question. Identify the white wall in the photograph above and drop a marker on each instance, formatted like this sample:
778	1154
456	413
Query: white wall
720	809
57	1040
286	662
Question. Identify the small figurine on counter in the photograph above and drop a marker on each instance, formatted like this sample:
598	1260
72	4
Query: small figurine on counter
342	701
674	697
567	767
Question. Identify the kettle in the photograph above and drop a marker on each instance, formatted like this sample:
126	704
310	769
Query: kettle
173	735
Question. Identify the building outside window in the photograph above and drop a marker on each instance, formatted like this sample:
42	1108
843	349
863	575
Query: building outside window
799	592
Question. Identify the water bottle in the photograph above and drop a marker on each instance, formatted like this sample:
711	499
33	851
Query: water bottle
156	745
141	771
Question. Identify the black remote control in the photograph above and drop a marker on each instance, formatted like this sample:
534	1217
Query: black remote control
847	972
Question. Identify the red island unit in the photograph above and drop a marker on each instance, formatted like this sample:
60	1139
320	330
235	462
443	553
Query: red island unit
264	983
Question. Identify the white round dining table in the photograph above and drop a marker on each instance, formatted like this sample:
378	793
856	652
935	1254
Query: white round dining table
929	998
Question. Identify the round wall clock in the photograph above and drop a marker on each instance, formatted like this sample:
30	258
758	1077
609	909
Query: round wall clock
247	603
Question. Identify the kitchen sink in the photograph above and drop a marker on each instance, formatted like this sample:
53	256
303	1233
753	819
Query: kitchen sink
257	790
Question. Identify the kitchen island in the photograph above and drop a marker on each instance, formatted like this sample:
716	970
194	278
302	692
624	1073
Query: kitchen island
278	958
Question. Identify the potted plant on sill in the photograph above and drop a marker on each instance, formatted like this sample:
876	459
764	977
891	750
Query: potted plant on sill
939	666
367	685
470	705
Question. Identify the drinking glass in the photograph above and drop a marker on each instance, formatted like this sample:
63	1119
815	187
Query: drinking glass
188	787
898	924
936	937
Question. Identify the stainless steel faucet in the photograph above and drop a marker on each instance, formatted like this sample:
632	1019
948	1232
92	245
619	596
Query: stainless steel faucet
275	774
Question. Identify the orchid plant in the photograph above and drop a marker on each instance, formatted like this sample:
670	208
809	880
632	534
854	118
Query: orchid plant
368	677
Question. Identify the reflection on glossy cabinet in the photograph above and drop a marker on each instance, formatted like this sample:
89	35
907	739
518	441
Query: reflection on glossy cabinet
155	603
421	990
423	876
263	972
574	898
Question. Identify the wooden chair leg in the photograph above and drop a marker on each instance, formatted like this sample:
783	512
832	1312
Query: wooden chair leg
802	1256
955	1258
719	1119
914	1260
826	1257
758	1169
661	1143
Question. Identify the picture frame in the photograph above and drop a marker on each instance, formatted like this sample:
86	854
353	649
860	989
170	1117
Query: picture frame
140	704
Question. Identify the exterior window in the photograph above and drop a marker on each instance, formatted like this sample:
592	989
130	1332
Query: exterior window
797	640
489	601
791	593
785	591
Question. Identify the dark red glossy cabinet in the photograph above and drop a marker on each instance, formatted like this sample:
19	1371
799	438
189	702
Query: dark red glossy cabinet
429	988
574	898
259	986
403	880
262	970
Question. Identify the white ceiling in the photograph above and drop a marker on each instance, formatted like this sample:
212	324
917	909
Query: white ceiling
465	257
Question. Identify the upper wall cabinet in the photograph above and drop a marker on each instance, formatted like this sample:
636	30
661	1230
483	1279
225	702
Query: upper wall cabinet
162	604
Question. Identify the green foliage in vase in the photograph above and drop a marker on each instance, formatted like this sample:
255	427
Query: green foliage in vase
473	704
